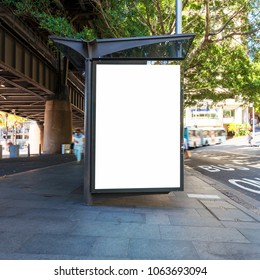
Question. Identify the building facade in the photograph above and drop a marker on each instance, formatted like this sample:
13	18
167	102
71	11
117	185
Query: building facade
222	114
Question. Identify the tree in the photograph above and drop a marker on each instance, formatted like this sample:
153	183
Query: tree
218	65
10	123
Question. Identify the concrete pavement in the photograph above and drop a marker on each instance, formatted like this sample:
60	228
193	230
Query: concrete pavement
43	216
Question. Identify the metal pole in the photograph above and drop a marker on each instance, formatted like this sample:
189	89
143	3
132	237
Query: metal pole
88	134
178	16
253	120
28	150
6	129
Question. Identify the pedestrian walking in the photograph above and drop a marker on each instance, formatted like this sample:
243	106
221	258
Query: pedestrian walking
250	138
78	140
187	153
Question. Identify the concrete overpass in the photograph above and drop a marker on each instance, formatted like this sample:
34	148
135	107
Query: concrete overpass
29	71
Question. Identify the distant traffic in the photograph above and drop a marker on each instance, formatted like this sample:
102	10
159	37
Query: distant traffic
197	137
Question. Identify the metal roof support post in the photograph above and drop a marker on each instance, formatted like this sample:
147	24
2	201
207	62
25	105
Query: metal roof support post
178	24
178	17
88	139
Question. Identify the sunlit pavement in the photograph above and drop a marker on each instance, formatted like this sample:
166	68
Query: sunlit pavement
43	216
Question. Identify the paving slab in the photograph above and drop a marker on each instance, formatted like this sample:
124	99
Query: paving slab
225	211
116	248
134	200
120	217
116	229
227	251
253	235
11	242
162	249
238	224
195	221
21	226
200	233
34	204
157	219
231	215
11	211
58	245
217	204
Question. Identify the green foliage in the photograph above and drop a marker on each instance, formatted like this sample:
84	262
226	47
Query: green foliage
219	72
218	65
57	25
50	19
125	18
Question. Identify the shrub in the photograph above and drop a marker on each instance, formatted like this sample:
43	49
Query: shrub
239	129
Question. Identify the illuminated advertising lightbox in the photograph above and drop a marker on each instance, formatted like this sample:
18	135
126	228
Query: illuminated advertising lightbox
137	128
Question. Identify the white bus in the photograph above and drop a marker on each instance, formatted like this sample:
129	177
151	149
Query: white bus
213	135
197	137
193	136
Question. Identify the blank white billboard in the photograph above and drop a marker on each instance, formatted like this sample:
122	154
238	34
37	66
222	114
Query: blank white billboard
137	141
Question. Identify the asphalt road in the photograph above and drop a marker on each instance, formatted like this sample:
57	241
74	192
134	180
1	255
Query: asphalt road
235	165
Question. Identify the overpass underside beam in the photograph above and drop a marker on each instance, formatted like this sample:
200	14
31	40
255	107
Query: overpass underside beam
26	80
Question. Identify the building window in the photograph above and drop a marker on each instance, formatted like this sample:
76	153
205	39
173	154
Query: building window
229	113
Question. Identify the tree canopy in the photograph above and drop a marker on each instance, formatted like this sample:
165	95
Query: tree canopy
10	120
223	61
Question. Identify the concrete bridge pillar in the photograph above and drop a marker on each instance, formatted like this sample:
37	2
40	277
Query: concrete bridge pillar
57	125
36	137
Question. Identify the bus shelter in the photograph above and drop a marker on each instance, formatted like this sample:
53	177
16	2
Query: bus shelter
133	112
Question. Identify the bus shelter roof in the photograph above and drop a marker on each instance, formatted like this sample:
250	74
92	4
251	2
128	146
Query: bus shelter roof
164	47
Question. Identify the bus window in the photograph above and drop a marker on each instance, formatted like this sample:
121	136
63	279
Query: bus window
193	136
214	136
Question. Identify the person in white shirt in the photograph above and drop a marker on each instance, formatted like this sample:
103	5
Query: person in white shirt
78	140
